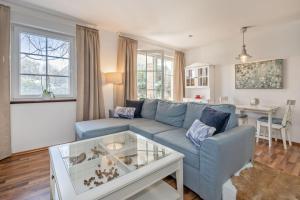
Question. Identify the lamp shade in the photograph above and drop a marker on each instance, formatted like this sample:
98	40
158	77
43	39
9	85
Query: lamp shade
244	55
114	77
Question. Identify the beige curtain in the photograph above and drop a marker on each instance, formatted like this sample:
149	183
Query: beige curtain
5	144
126	64
179	64
89	82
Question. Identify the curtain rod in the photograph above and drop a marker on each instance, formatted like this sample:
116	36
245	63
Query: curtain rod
2	5
87	26
149	41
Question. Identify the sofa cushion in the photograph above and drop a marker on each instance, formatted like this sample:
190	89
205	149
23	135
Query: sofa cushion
175	139
149	128
149	108
138	105
274	120
193	112
95	128
215	118
170	113
227	108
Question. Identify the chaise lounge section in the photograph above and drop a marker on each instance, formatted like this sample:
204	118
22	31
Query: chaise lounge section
206	168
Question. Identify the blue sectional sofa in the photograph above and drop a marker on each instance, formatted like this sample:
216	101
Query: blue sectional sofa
207	167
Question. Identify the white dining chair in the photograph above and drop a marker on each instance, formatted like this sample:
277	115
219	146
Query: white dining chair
281	124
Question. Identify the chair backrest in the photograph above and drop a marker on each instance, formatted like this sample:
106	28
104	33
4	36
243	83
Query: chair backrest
287	118
223	100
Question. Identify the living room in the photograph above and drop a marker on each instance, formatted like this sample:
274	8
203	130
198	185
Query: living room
210	90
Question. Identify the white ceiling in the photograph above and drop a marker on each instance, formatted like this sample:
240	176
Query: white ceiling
171	21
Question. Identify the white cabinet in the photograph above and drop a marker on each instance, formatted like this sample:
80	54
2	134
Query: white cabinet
202	76
198	76
199	80
190	78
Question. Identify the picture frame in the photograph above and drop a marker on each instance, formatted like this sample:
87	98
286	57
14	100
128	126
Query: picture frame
266	74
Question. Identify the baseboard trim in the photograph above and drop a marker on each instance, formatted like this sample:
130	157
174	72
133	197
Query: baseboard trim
30	151
37	149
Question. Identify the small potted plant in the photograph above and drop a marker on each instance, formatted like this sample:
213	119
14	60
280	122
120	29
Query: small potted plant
47	94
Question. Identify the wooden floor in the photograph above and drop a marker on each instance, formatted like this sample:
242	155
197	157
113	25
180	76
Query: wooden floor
26	176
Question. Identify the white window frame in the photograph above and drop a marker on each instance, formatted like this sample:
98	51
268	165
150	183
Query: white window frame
163	58
15	62
170	58
162	63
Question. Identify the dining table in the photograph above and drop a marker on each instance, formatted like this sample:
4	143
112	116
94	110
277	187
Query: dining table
268	110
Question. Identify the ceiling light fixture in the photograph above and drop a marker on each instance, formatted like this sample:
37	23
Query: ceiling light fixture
243	57
190	36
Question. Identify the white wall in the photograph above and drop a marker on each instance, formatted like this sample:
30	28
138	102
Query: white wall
45	124
282	41
41	124
108	60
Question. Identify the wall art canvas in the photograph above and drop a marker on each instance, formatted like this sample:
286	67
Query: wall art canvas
259	75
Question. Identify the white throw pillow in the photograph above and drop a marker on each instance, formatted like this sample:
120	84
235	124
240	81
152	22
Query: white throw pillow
199	131
124	112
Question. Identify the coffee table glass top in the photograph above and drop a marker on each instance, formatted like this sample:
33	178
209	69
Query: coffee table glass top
91	163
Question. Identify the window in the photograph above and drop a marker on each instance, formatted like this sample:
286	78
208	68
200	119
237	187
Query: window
154	75
168	78
42	61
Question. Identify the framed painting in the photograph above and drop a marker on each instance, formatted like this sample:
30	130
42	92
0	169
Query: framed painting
259	75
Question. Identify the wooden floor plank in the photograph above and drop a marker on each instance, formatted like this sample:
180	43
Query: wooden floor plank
26	176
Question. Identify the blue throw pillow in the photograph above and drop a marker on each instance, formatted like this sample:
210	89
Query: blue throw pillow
227	108
138	105
215	118
199	131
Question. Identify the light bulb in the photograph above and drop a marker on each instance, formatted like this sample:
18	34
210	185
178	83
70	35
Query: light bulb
114	146
243	58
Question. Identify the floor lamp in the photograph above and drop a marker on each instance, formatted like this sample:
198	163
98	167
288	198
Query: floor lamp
115	78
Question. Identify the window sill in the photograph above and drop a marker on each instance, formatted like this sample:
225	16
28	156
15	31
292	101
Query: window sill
41	101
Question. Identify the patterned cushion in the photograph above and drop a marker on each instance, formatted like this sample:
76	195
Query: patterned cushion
199	131
124	112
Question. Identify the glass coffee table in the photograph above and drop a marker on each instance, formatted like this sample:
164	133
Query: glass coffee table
123	165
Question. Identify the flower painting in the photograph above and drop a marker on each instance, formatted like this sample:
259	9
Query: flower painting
259	75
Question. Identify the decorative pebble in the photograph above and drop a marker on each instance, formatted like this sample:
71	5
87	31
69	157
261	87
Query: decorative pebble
109	162
109	178
96	183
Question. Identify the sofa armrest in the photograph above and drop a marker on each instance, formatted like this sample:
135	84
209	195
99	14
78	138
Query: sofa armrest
221	156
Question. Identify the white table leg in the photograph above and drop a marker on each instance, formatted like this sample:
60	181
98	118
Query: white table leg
179	180
283	134
270	128
51	184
